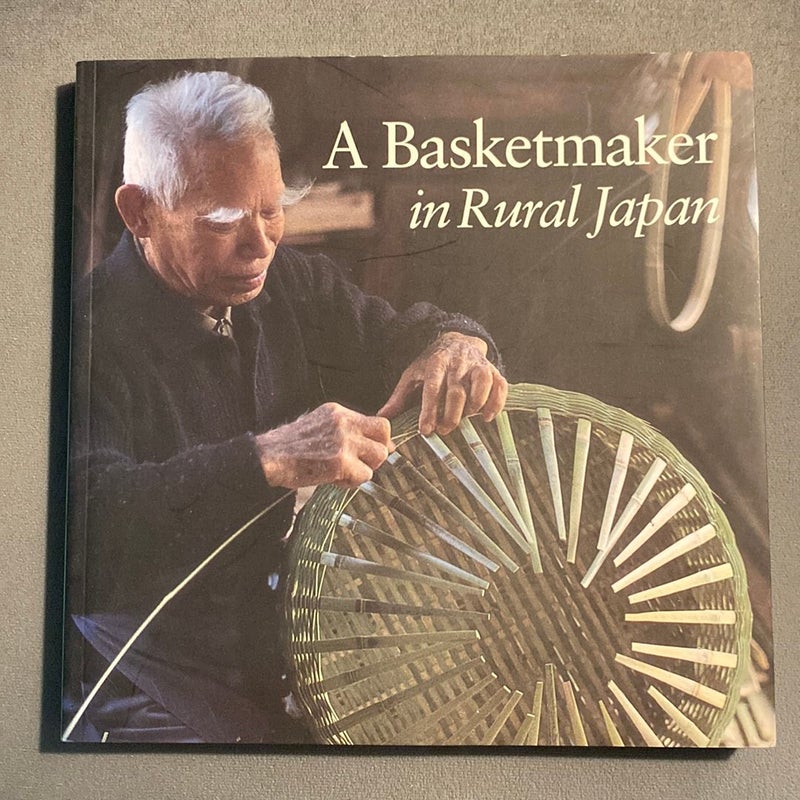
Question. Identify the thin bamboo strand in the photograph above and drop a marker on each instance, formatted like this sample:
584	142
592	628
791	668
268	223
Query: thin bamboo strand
574	714
361	605
583	436
706	576
386	640
361	528
680	548
395	503
359	674
611	728
407	734
683	723
551	729
361	565
465	478
621	462
536	712
669	510
548	437
648	734
683	684
383	706
165	600
694	616
521	738
511	455
696	655
478	716
634	504
450	509
502	718
487	464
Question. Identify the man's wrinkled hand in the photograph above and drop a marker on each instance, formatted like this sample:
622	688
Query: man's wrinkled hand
456	379
331	444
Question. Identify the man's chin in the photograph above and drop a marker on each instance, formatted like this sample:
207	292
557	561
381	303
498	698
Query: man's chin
246	297
243	291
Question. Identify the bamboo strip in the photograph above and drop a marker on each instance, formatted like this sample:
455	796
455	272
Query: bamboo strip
621	462
583	435
465	478
359	674
669	510
538	703
509	445
611	728
748	725
648	734
402	507
680	548
486	461
536	712
522	733
386	640
450	509
574	715
502	718
478	716
360	605
551	728
361	528
695	616
384	705
711	575
547	434
634	504
361	565
697	655
763	715
407	734
683	723
691	687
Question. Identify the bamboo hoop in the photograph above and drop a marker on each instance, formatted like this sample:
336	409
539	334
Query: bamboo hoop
717	186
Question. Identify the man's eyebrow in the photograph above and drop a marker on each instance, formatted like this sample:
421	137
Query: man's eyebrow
224	215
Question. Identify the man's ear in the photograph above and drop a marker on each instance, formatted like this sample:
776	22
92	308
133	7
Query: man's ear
132	204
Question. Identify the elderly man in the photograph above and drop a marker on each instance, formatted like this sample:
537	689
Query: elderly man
226	370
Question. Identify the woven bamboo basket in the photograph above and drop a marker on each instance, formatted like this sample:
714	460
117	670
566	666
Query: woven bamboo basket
560	576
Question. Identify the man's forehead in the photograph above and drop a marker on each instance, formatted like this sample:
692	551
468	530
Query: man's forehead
231	175
218	157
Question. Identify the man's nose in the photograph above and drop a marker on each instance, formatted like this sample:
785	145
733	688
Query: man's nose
254	239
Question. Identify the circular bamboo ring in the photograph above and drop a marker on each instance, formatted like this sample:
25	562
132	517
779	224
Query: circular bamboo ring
461	598
680	112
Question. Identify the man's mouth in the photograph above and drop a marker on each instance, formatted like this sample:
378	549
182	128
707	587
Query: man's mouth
246	282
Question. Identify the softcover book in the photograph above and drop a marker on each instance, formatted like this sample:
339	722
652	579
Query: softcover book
417	401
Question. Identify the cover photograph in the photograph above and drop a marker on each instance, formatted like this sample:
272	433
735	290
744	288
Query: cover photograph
417	401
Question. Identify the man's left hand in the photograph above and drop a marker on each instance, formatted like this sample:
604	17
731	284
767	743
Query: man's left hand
457	380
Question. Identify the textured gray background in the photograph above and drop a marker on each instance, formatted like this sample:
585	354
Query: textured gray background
40	43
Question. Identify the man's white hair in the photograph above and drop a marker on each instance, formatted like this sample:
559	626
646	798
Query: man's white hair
165	121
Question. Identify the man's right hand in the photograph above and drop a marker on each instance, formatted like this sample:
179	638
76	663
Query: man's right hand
331	444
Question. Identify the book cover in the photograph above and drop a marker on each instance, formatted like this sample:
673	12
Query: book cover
418	401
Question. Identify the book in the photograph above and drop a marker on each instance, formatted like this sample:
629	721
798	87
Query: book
566	543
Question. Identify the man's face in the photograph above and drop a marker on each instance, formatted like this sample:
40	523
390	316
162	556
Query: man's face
216	245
